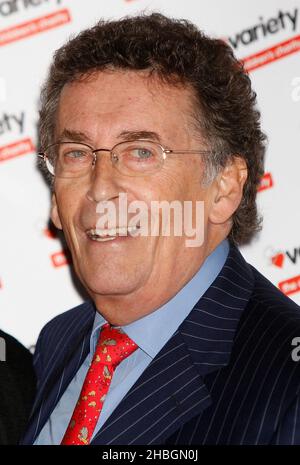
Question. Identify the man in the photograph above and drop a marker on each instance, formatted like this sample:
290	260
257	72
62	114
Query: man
17	389
179	344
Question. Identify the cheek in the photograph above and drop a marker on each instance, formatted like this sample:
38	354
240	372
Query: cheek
184	183
68	205
168	184
69	192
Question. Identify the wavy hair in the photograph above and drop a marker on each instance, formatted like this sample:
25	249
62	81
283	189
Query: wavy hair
175	51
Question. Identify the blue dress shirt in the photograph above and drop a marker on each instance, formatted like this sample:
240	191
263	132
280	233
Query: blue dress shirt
163	322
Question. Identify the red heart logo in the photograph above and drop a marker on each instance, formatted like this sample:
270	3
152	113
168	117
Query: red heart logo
277	260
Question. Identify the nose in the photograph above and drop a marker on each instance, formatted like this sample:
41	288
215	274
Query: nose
104	180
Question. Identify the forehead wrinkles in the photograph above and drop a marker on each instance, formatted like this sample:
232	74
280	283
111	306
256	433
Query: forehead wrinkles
175	99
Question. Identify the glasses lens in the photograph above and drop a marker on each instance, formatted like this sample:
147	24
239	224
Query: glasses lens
138	157
69	160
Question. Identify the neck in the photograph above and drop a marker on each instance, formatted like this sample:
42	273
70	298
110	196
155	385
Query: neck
123	309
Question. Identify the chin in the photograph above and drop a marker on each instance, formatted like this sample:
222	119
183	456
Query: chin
117	275
108	285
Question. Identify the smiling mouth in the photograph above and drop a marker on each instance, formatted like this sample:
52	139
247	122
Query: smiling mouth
109	234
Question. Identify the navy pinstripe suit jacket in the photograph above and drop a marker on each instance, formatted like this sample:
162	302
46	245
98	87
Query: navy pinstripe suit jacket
226	376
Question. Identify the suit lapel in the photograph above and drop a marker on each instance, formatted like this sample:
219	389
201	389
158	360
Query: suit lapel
71	351
168	393
209	330
171	390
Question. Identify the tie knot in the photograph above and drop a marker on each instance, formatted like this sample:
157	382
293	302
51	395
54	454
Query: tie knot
113	346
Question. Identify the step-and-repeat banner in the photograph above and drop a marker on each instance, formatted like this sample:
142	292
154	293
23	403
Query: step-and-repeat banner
36	281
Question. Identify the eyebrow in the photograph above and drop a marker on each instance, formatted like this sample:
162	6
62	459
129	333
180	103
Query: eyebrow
79	136
139	135
76	136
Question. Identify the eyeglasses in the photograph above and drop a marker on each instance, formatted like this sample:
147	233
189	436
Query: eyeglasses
130	158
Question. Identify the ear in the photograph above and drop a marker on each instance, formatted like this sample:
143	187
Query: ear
54	212
228	190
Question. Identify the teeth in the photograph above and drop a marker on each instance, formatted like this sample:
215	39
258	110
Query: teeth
101	234
102	239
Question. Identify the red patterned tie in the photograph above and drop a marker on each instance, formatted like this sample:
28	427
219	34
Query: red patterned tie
113	347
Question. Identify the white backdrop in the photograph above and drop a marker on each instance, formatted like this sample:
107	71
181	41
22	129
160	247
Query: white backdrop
35	279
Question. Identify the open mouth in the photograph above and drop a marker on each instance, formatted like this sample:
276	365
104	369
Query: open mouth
109	234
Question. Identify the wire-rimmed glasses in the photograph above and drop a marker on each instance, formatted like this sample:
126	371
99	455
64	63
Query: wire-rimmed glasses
130	158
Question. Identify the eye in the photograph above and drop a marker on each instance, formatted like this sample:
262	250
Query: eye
141	153
75	154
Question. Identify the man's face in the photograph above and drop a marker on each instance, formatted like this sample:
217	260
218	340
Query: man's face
142	272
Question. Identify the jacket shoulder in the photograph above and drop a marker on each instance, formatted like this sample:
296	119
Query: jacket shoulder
261	383
265	342
55	331
85	310
269	322
268	298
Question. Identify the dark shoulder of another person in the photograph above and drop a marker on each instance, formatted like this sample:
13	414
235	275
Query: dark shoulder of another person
17	388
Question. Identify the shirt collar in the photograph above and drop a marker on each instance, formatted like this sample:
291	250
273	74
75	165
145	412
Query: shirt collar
164	321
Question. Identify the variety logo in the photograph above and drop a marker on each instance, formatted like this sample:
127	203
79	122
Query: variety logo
290	286
10	7
283	20
60	259
12	122
35	26
266	182
272	54
50	233
280	257
22	147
